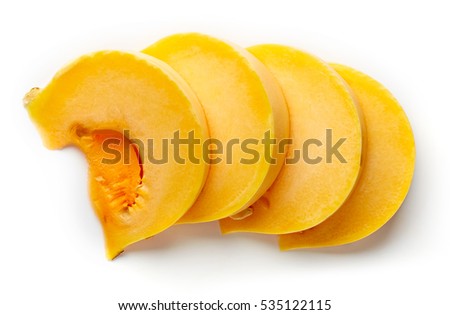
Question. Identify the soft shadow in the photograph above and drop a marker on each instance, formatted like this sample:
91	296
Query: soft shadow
385	235
267	240
177	235
373	242
185	234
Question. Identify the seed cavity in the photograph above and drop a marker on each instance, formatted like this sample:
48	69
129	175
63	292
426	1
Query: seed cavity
114	185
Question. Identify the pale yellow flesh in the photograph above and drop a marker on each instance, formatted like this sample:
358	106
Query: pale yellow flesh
305	194
242	101
121	91
386	175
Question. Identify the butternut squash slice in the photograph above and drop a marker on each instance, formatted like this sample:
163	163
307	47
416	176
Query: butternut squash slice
327	135
117	107
386	175
242	101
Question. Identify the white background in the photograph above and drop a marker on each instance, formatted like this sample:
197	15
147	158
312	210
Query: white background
52	258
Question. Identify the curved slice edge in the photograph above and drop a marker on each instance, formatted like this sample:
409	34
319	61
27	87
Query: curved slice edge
95	92
318	101
209	207
385	178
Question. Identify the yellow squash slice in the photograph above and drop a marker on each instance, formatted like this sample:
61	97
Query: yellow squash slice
385	177
324	159
243	103
111	105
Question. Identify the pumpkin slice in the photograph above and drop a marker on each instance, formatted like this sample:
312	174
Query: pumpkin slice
117	108
324	159
243	104
386	175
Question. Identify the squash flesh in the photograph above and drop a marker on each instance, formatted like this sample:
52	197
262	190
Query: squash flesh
114	181
242	101
385	177
306	193
134	93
